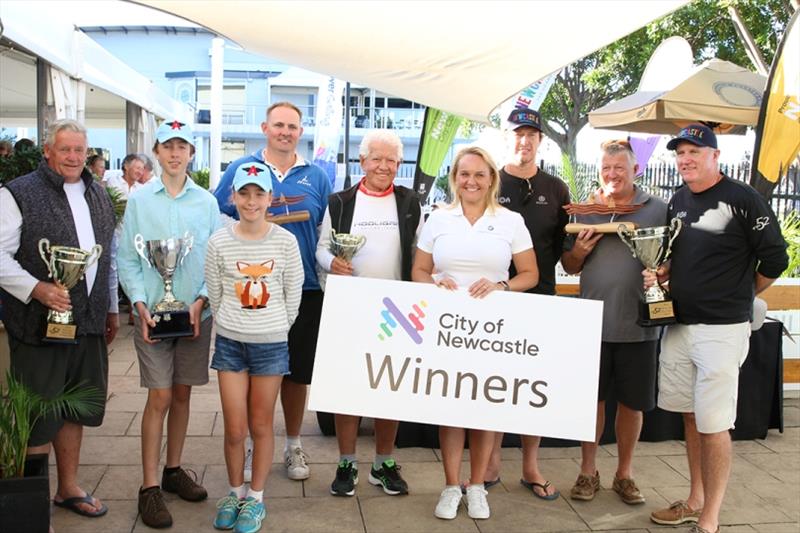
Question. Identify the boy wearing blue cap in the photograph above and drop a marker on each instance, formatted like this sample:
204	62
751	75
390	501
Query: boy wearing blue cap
255	277
164	208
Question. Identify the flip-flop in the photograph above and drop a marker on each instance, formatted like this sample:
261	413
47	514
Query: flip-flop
531	485
486	485
72	504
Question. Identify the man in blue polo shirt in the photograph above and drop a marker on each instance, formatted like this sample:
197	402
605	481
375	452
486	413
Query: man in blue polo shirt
300	191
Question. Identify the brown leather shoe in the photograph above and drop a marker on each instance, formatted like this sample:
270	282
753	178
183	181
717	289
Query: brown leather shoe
677	513
184	485
627	490
585	487
153	509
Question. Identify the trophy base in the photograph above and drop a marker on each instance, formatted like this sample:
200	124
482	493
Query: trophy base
171	325
653	314
60	333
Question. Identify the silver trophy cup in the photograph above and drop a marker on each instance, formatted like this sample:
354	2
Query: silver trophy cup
652	246
166	256
66	266
346	245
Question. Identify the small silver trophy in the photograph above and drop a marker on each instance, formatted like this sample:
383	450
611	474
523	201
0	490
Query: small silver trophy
166	255
346	245
652	246
66	266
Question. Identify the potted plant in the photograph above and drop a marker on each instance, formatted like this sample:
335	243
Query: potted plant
24	482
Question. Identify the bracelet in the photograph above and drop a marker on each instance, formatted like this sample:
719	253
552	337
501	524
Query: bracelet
505	285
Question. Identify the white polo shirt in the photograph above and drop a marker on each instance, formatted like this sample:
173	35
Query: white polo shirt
466	252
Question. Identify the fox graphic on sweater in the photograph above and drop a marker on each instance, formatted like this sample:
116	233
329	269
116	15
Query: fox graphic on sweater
252	292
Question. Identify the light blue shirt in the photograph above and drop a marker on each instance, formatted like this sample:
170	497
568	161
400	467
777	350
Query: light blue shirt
154	214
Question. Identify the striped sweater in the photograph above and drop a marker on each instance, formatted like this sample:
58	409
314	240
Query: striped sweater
254	287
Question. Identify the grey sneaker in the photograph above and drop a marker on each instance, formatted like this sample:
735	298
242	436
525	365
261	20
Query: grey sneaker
627	490
297	464
697	529
585	487
677	513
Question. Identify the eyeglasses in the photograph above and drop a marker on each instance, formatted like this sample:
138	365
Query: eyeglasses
624	143
529	193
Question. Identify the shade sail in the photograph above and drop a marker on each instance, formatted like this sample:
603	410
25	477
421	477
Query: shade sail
462	57
717	91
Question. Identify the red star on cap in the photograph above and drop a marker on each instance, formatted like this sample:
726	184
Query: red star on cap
177	125
254	171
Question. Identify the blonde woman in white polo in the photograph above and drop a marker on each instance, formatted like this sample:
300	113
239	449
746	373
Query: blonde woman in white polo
470	244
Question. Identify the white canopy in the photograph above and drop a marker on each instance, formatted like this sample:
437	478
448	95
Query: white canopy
461	57
46	30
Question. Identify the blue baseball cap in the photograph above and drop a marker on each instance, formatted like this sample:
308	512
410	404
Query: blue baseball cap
174	129
255	173
524	117
696	134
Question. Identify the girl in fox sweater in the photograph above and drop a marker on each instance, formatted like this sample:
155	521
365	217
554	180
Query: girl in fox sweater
254	276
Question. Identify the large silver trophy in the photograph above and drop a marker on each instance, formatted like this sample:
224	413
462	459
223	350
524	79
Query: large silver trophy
345	245
166	255
66	266
652	246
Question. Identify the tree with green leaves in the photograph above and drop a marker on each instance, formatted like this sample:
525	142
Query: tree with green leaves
614	72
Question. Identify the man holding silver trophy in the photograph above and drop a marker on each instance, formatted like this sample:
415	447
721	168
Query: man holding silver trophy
60	298
628	351
729	250
385	220
161	262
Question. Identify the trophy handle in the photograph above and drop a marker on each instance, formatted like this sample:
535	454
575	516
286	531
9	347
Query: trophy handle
94	255
626	236
138	243
675	226
362	240
44	252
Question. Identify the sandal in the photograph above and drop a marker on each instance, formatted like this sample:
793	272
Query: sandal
73	504
532	485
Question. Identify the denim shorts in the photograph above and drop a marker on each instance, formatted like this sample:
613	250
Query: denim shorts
269	359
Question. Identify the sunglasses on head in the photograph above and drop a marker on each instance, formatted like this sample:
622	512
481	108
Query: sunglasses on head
624	143
528	193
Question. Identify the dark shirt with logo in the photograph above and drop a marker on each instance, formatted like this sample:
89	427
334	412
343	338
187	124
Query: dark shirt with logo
544	217
729	232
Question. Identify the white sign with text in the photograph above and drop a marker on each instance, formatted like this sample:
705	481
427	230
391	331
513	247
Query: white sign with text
518	363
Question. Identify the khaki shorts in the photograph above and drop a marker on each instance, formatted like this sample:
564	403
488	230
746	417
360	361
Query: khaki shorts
181	361
699	372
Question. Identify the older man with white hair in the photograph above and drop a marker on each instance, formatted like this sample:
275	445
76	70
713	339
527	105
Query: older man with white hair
388	215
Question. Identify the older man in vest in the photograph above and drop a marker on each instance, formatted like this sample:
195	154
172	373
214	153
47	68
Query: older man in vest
61	202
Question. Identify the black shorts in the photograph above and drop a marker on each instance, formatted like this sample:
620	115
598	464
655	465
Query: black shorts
628	370
53	368
303	338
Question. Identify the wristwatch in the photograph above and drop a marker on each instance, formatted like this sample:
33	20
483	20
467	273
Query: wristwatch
505	285
205	301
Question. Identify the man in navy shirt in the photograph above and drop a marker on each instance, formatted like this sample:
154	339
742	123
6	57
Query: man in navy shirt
301	191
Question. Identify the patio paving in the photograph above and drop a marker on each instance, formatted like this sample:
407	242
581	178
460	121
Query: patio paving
762	496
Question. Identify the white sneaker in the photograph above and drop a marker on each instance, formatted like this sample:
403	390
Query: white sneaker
477	506
447	508
297	464
248	460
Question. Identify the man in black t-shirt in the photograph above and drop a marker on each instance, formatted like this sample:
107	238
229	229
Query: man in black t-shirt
538	197
729	249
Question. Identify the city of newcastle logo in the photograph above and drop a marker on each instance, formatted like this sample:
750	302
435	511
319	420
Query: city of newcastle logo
392	317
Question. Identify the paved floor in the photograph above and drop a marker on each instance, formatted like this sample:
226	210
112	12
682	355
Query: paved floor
763	494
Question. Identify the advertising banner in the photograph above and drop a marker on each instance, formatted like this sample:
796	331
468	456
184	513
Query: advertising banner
438	131
328	125
512	362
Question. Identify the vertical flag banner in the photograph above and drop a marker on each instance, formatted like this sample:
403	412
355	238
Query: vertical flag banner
328	125
778	130
531	97
438	132
643	150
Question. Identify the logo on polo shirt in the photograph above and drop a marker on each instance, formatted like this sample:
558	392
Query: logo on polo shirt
504	200
304	181
541	200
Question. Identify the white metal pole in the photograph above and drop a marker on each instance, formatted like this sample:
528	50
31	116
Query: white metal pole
215	140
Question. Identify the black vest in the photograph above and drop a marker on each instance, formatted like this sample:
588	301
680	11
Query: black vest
46	213
342	204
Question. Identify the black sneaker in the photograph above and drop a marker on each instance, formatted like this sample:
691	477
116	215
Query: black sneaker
346	479
388	476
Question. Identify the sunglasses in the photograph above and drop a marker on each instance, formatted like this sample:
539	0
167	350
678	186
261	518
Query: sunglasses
617	142
528	193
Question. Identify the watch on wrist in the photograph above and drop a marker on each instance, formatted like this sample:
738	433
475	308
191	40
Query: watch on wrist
505	285
205	301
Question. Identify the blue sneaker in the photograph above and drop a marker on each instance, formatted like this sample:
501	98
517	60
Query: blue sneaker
227	512
251	514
